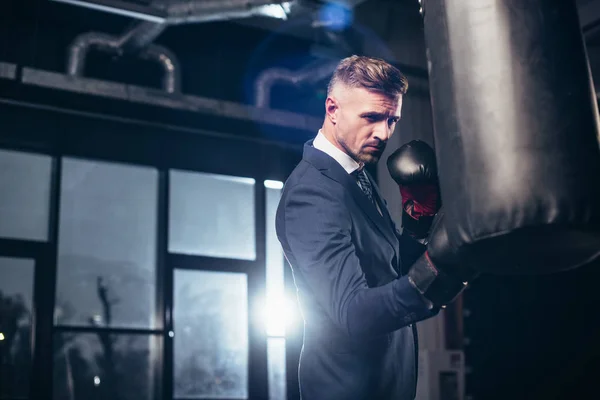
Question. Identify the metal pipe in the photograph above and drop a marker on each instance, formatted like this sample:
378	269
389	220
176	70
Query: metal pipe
267	79
139	38
79	48
168	61
112	44
142	35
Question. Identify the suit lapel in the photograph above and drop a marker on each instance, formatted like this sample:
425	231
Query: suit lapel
382	205
329	167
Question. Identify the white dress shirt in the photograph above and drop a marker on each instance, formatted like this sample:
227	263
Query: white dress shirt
323	144
347	162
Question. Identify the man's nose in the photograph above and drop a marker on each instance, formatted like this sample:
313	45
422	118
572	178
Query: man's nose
382	131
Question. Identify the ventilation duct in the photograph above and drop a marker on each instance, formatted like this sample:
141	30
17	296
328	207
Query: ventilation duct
112	44
199	11
267	79
176	12
142	35
139	39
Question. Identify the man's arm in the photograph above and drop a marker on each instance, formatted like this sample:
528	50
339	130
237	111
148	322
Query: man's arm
317	230
410	250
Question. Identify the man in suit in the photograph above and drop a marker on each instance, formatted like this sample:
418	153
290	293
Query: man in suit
349	262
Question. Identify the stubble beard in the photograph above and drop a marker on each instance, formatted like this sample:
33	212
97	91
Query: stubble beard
371	158
359	157
368	158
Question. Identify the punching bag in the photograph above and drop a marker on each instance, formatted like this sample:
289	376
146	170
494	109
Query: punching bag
516	133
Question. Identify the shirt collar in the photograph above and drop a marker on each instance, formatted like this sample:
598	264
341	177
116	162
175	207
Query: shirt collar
323	144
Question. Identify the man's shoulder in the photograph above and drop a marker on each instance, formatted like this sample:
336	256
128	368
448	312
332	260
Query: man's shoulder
308	192
307	175
304	172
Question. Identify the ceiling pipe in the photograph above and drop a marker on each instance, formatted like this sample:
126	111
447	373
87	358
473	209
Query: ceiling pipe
141	36
139	39
269	78
201	11
80	47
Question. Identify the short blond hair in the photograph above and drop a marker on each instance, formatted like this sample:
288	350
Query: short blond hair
373	74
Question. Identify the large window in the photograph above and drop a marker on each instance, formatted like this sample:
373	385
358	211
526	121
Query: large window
25	194
278	303
25	181
103	366
211	334
16	307
107	245
106	282
211	215
126	313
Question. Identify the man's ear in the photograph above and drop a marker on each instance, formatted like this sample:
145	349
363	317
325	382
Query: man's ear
331	107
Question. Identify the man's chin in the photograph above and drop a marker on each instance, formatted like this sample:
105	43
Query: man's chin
371	158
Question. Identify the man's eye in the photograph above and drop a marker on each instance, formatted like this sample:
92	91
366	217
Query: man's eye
371	118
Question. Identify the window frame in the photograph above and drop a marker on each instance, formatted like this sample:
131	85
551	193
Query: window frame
60	133
37	252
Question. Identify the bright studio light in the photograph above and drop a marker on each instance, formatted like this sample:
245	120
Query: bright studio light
273	184
278	315
1	336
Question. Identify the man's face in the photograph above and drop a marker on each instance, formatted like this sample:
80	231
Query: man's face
363	121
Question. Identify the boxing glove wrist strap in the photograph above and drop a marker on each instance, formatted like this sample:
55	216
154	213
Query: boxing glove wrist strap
437	287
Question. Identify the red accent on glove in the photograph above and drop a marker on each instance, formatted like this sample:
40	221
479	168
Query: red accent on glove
424	199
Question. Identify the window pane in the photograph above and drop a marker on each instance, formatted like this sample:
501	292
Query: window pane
278	306
211	334
107	245
211	215
25	200
16	299
276	361
275	288
103	366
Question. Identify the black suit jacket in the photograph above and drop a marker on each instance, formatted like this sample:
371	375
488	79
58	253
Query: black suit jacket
360	342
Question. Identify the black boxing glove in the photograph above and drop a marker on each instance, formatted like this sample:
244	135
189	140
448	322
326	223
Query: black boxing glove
438	274
413	167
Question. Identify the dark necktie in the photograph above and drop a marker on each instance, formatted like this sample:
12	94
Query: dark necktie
364	183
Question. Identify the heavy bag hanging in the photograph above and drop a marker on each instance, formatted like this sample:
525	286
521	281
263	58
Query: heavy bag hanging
516	133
